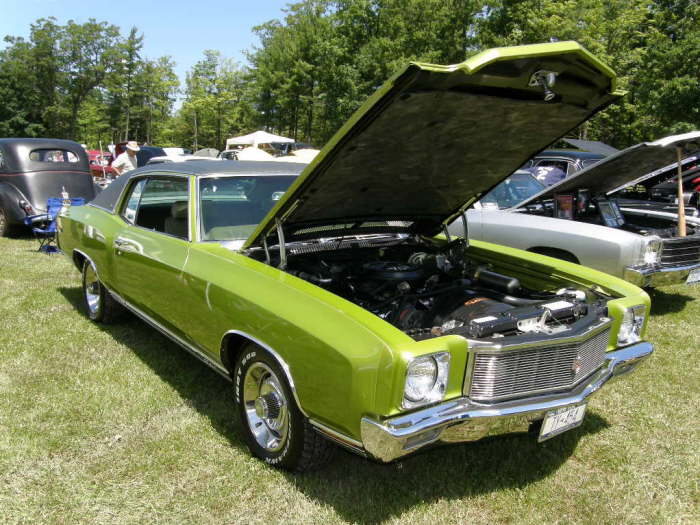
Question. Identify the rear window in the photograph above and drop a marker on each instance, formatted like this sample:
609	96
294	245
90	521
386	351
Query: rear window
53	155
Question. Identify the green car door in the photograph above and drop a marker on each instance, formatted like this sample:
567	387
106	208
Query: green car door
150	250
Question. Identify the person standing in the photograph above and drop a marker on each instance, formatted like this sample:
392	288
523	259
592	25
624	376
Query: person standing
127	160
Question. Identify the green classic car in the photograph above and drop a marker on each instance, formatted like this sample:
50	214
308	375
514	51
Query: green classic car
333	296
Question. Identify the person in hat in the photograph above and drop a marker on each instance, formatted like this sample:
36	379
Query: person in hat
127	160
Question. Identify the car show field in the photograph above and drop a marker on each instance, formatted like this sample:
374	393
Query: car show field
116	424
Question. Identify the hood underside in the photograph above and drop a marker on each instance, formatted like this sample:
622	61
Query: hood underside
623	169
433	139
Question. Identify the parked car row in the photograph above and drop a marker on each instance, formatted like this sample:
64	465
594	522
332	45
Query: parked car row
336	298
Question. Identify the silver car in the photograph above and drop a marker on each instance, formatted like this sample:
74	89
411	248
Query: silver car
584	219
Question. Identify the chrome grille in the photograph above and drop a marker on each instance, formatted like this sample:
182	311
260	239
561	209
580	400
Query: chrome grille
508	374
680	251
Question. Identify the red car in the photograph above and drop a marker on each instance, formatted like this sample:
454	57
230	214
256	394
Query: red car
100	163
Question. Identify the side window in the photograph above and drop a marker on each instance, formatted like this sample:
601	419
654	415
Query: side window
132	203
559	164
2	160
163	206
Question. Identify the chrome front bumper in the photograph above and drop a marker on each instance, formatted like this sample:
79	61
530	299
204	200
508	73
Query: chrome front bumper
461	419
654	276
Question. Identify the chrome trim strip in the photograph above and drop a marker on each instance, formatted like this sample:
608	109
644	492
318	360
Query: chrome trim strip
400	435
155	324
283	364
135	180
89	259
197	215
99	207
341	439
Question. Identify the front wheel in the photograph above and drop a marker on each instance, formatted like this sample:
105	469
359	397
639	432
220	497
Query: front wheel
274	428
101	306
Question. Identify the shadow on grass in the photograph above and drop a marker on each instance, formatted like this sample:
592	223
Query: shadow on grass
198	385
663	303
360	490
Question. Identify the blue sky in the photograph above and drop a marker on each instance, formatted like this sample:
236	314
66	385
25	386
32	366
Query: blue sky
179	28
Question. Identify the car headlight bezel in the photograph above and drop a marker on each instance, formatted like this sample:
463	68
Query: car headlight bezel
651	252
632	324
426	379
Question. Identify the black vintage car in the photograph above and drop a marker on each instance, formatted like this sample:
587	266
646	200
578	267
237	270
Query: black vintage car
569	161
32	170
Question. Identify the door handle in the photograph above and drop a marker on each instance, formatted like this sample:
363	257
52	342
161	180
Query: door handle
124	245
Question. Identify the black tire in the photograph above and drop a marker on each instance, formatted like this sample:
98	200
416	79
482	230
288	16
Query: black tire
6	229
100	305
301	448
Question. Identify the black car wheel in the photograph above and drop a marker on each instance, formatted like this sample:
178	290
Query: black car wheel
5	228
274	428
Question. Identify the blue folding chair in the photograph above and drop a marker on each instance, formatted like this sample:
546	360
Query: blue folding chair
47	234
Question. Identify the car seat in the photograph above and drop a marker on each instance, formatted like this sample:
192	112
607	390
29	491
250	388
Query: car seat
176	224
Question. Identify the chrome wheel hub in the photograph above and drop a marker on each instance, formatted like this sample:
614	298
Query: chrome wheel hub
266	407
92	290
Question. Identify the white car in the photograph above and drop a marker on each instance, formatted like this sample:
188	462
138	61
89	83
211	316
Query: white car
584	219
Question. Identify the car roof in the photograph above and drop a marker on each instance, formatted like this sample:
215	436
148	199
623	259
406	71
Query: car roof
108	198
17	150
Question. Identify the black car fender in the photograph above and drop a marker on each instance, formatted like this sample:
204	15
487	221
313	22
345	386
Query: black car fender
10	198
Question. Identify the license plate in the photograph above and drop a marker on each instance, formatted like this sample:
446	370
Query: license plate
694	276
560	420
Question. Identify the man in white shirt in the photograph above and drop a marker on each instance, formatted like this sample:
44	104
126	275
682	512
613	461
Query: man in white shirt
127	160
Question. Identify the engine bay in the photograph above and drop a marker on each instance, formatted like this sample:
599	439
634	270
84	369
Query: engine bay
427	290
607	212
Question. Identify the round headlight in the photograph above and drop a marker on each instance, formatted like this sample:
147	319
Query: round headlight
421	377
626	327
652	251
631	325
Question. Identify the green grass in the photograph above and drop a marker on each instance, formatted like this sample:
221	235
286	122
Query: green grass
118	425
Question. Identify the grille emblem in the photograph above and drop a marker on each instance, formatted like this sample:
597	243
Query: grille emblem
576	365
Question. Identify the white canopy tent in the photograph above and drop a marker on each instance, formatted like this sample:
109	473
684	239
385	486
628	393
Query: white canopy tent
253	139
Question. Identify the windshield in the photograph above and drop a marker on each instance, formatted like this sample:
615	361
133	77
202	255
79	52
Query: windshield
512	191
232	207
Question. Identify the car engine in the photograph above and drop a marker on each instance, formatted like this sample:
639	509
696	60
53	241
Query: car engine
429	291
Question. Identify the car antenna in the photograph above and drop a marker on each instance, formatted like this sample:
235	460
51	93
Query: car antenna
681	202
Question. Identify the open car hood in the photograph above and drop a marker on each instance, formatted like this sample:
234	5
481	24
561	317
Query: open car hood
433	139
623	169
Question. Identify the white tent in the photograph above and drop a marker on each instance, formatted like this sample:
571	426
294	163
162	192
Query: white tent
253	139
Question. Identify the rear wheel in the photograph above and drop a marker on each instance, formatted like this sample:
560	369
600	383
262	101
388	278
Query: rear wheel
274	428
101	306
5	228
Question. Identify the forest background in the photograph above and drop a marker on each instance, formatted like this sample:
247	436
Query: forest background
315	65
